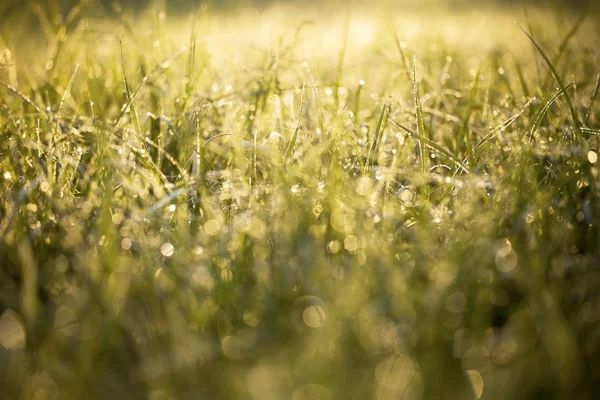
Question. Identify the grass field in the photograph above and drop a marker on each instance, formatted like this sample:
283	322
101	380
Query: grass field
328	202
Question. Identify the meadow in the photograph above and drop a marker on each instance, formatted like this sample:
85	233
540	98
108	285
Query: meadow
324	202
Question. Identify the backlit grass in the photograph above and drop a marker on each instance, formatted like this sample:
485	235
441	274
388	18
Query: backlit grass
299	203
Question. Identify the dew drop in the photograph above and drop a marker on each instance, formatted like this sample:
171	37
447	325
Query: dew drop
314	316
167	249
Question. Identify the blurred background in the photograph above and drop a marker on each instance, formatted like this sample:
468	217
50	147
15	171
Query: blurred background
442	295
187	5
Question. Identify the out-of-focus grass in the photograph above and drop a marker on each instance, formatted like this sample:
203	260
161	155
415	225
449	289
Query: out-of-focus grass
231	206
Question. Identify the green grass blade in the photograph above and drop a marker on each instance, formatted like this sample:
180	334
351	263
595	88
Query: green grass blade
574	117
522	80
420	125
11	214
530	27
294	139
538	119
67	92
147	78
191	66
565	43
70	24
403	59
375	143
458	163
502	126
592	100
444	77
341	60
25	98
129	104
466	132
359	89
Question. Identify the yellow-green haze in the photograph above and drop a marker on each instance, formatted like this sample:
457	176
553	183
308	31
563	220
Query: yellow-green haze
395	200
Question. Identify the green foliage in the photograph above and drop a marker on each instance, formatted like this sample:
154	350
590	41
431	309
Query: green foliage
183	215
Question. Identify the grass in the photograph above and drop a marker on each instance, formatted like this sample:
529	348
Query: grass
277	204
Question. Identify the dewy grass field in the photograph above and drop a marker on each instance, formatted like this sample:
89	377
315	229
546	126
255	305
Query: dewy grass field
319	202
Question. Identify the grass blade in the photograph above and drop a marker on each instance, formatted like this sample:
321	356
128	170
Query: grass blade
402	55
502	126
294	139
341	59
374	148
67	92
71	21
593	98
434	146
538	119
130	104
467	117
15	206
133	95
420	125
565	42
561	85
522	80
25	98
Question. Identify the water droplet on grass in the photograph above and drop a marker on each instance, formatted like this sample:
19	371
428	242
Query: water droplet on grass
314	316
363	186
506	258
334	246
12	331
212	227
126	244
351	243
405	195
167	249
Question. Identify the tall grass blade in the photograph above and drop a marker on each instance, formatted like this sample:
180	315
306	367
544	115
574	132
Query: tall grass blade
377	138
540	116
130	104
11	214
592	100
294	139
522	80
403	59
503	125
66	93
60	39
341	59
574	117
25	98
466	131
147	78
564	44
458	163
420	125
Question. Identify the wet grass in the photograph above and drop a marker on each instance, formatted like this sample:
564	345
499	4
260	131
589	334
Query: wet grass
258	206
